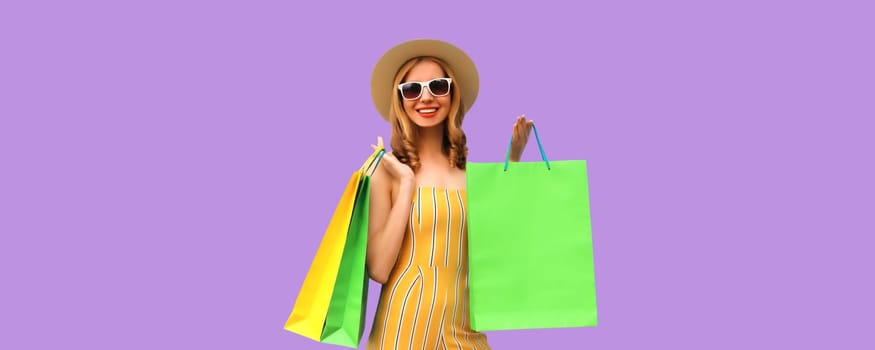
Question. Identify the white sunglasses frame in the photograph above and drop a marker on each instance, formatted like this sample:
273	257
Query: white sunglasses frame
423	86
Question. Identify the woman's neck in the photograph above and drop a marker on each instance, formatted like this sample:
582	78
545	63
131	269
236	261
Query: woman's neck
429	145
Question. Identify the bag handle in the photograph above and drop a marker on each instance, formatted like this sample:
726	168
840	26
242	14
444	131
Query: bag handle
540	148
375	157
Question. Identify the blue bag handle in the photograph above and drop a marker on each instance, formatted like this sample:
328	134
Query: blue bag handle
376	160
540	148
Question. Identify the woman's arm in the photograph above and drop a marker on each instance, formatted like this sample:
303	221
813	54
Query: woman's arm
387	219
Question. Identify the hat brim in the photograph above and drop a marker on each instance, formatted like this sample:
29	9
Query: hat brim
466	76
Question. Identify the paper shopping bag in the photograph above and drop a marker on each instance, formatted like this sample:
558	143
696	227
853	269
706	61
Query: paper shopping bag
530	245
344	324
311	306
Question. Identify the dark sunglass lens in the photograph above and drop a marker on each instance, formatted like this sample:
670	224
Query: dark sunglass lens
410	90
439	87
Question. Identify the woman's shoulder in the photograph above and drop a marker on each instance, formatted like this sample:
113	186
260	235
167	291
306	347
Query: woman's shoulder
381	180
378	173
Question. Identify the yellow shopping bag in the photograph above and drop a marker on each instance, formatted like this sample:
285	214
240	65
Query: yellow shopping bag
311	306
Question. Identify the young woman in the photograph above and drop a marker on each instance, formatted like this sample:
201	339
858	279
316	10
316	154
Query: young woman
417	231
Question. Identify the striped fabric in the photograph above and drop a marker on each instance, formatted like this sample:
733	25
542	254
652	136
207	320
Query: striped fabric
423	305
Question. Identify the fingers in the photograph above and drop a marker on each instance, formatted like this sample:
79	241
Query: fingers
379	144
522	127
521	120
528	123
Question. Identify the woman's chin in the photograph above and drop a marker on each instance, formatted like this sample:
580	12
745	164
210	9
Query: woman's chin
428	122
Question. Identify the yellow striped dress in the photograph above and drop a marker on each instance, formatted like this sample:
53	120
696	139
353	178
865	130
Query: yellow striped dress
424	303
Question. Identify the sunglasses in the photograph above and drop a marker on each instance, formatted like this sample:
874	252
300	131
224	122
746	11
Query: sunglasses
436	87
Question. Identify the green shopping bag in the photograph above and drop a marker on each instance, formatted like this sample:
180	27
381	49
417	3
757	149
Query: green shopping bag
344	323
310	310
530	245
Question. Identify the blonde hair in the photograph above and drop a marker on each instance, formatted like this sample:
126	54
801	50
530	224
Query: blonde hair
404	131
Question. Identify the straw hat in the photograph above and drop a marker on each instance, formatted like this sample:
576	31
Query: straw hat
467	79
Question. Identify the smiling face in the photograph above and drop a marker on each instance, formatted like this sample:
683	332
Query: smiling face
427	110
409	117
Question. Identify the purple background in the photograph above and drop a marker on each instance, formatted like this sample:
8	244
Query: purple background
168	167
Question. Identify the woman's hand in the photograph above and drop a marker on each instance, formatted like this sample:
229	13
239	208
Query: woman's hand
395	168
520	137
